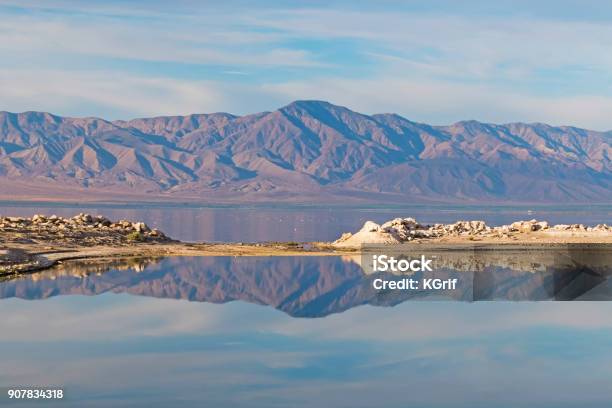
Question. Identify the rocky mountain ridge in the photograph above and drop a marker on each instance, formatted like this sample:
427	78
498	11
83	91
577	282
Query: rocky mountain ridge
306	151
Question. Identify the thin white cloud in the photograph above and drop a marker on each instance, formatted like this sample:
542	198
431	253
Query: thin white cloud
126	317
461	45
428	320
444	102
235	72
77	318
114	95
428	67
208	42
105	93
457	46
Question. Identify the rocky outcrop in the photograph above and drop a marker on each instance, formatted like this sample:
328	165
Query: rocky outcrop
80	230
401	230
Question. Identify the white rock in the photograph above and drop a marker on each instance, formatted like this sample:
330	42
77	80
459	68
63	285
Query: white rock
370	233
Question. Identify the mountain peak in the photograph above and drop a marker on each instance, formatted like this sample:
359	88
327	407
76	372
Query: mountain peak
309	103
314	107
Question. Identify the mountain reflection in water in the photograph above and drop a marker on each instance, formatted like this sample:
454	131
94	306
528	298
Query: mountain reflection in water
318	286
121	350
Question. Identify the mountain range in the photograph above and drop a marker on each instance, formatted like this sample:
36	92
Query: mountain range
307	151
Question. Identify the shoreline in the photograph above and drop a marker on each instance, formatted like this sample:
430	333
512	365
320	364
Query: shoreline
33	258
38	258
40	242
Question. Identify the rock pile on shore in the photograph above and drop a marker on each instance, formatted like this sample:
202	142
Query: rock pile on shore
401	230
82	229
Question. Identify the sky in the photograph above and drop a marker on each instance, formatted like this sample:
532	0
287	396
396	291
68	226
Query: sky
437	62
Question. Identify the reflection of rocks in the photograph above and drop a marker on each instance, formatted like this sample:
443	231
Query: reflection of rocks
401	230
83	269
475	259
305	286
301	286
13	261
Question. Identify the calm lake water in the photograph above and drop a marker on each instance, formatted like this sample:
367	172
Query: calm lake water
301	223
302	332
309	331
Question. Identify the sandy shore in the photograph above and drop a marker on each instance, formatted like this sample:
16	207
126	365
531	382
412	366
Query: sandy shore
23	258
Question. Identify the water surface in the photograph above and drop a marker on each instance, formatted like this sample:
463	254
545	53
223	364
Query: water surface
307	331
294	331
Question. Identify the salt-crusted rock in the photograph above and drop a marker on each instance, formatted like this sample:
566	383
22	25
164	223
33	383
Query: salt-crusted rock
403	228
407	223
370	226
528	226
103	221
156	233
82	229
561	227
408	229
344	237
370	233
140	227
465	227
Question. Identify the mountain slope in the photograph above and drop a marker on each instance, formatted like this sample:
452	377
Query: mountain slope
306	151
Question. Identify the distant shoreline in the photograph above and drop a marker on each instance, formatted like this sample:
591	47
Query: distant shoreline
365	205
138	201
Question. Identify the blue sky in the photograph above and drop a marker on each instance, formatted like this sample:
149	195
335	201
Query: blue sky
437	62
